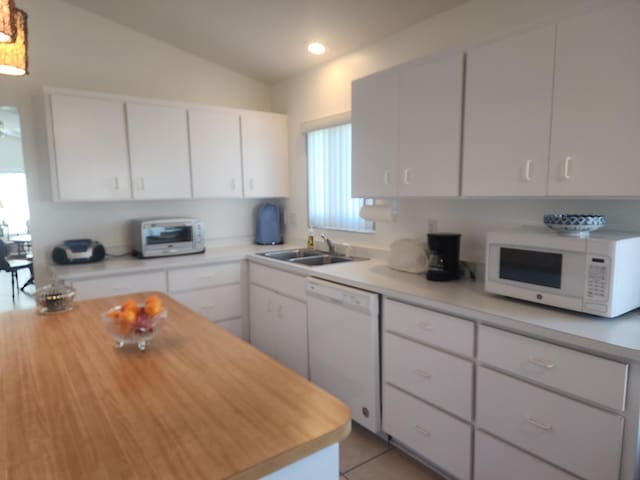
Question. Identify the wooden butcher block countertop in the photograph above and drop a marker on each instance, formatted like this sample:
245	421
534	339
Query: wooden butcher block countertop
199	403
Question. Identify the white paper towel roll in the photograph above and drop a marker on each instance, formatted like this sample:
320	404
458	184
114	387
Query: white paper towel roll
377	213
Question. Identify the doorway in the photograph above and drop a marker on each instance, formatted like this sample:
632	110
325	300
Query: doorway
15	227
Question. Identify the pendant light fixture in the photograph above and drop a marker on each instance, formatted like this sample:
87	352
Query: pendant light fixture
7	21
13	56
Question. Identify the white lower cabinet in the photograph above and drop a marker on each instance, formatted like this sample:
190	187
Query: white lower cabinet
279	328
214	291
495	460
577	437
439	378
120	285
436	436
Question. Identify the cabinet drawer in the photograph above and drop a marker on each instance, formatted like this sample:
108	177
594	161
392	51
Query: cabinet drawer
594	378
233	325
120	285
431	433
282	282
495	460
580	438
203	277
438	329
218	303
439	378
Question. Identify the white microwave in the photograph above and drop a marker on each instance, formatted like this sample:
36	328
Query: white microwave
599	274
163	237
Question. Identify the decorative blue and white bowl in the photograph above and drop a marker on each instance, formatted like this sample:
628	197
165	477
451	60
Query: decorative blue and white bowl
574	223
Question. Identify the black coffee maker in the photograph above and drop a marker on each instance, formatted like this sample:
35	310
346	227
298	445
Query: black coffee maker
444	256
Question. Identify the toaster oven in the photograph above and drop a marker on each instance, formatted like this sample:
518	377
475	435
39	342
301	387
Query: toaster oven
163	237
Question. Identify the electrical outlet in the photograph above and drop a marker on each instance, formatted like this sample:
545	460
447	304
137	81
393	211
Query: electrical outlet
432	225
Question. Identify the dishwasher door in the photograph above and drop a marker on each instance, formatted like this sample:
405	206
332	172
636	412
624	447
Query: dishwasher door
344	352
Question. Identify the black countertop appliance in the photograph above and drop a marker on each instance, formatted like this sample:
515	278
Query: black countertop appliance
444	256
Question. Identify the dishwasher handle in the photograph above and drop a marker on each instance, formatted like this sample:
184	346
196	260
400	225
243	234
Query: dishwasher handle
343	296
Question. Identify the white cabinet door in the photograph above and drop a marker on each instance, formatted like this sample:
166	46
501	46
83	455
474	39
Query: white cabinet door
90	145
261	323
159	149
507	115
374	131
595	140
430	127
265	154
278	327
291	334
216	163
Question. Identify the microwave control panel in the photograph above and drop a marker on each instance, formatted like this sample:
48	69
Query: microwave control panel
598	278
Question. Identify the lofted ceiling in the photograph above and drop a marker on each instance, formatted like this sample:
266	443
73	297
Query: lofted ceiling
266	39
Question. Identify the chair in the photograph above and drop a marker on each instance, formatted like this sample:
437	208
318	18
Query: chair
13	266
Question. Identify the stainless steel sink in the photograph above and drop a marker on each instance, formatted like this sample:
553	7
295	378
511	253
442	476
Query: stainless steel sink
293	254
312	258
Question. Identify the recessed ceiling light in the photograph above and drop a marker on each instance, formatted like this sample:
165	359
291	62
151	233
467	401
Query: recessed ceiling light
316	48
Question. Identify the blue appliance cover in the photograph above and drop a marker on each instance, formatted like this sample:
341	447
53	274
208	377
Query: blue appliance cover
268	225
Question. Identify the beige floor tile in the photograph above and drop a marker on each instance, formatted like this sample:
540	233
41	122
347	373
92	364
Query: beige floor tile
393	465
359	447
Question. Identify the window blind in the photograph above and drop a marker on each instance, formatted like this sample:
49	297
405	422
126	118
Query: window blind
329	174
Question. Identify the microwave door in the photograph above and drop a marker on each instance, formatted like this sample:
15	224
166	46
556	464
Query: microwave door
545	276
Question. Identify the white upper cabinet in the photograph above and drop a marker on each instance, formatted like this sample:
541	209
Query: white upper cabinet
595	140
430	127
509	87
374	135
265	154
159	150
216	163
88	138
406	128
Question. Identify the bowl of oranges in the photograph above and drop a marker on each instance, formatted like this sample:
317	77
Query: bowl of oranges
132	323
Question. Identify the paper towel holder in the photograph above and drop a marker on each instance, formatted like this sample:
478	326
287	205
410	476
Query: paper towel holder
374	211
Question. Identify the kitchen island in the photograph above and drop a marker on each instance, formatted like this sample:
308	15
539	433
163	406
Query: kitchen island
199	403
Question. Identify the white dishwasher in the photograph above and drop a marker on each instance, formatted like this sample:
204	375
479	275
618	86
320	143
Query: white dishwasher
344	347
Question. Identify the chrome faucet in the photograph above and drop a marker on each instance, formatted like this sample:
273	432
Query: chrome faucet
330	245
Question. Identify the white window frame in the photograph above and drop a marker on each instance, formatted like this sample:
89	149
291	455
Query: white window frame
321	124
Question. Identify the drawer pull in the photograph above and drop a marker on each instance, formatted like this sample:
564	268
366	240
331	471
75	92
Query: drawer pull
423	431
205	277
540	425
422	373
425	326
541	363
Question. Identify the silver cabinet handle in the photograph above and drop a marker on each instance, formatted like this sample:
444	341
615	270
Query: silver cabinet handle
386	177
406	176
422	373
251	184
205	277
540	362
233	184
566	171
527	170
423	431
538	424
116	183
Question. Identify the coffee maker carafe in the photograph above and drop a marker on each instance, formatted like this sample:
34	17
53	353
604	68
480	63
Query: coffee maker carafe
444	256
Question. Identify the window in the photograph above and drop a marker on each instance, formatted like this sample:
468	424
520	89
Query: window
15	206
329	162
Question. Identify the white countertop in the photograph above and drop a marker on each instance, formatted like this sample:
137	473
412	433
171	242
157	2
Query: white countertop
618	337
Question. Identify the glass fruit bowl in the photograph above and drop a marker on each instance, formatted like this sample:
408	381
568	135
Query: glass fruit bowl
134	324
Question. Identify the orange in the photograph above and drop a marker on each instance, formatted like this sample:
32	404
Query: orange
130	303
113	313
128	316
153	299
152	309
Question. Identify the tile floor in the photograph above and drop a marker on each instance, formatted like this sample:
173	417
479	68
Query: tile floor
364	456
23	299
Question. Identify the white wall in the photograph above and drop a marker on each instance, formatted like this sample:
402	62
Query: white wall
327	91
69	47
